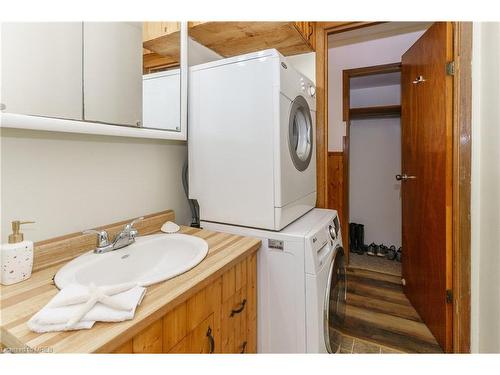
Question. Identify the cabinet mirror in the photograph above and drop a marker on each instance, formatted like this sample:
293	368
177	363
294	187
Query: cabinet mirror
116	78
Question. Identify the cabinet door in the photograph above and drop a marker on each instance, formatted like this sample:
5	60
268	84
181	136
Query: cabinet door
194	325
311	34
112	72
42	69
308	31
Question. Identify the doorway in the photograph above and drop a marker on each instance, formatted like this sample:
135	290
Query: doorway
452	328
372	113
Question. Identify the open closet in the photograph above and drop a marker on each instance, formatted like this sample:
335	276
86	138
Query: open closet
372	111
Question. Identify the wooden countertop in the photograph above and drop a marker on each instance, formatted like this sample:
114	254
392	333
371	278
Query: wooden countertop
20	301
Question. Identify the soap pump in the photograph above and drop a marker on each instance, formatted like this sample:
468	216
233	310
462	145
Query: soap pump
16	256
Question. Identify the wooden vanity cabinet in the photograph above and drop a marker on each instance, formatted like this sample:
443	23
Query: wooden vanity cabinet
221	318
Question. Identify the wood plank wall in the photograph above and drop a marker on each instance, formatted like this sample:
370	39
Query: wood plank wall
335	199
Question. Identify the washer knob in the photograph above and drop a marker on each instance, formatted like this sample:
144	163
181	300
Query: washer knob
332	232
312	90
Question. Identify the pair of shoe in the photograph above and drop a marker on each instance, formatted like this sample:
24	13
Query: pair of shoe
377	250
399	254
357	238
372	249
391	253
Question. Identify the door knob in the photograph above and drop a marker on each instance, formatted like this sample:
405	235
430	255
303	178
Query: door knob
404	177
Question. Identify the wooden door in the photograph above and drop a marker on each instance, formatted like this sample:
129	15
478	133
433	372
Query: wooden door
426	194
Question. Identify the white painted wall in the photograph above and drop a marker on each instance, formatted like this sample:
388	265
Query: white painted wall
485	205
71	182
374	52
199	54
374	194
373	96
305	63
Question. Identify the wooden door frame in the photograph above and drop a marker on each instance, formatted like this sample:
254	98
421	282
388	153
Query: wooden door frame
461	140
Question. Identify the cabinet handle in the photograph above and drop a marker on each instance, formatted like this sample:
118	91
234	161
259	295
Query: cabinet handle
243	347
211	340
239	309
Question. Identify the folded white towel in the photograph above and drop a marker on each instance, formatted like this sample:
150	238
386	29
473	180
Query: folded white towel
79	307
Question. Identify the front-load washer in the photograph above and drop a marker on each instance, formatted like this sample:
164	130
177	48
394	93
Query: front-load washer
251	141
300	282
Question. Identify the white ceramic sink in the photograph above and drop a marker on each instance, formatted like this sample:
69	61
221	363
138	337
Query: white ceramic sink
149	260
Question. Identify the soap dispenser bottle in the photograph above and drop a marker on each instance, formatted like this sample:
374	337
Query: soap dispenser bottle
16	256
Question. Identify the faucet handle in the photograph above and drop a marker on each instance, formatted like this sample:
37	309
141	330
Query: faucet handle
130	225
135	221
102	236
132	231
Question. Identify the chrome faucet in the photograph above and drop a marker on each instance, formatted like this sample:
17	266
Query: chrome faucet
124	238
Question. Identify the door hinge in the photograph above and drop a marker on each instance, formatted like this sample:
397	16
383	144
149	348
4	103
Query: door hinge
449	296
450	68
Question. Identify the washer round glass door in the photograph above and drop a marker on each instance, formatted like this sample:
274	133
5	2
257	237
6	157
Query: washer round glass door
300	133
335	299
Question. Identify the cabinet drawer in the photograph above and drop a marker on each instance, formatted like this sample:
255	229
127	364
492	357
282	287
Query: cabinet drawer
234	323
200	340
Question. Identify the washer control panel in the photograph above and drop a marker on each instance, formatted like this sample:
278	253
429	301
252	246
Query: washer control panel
307	88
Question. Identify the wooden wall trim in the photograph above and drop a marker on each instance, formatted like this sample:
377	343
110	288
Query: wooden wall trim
321	118
340	27
345	196
462	132
335	190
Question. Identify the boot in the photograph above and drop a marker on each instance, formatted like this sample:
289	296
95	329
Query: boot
352	237
360	238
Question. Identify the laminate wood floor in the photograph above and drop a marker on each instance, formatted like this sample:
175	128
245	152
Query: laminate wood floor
378	314
374	263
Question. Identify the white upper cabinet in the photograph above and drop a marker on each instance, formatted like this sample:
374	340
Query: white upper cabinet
42	69
112	72
162	100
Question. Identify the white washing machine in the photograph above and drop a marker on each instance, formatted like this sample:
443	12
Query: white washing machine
251	141
301	282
